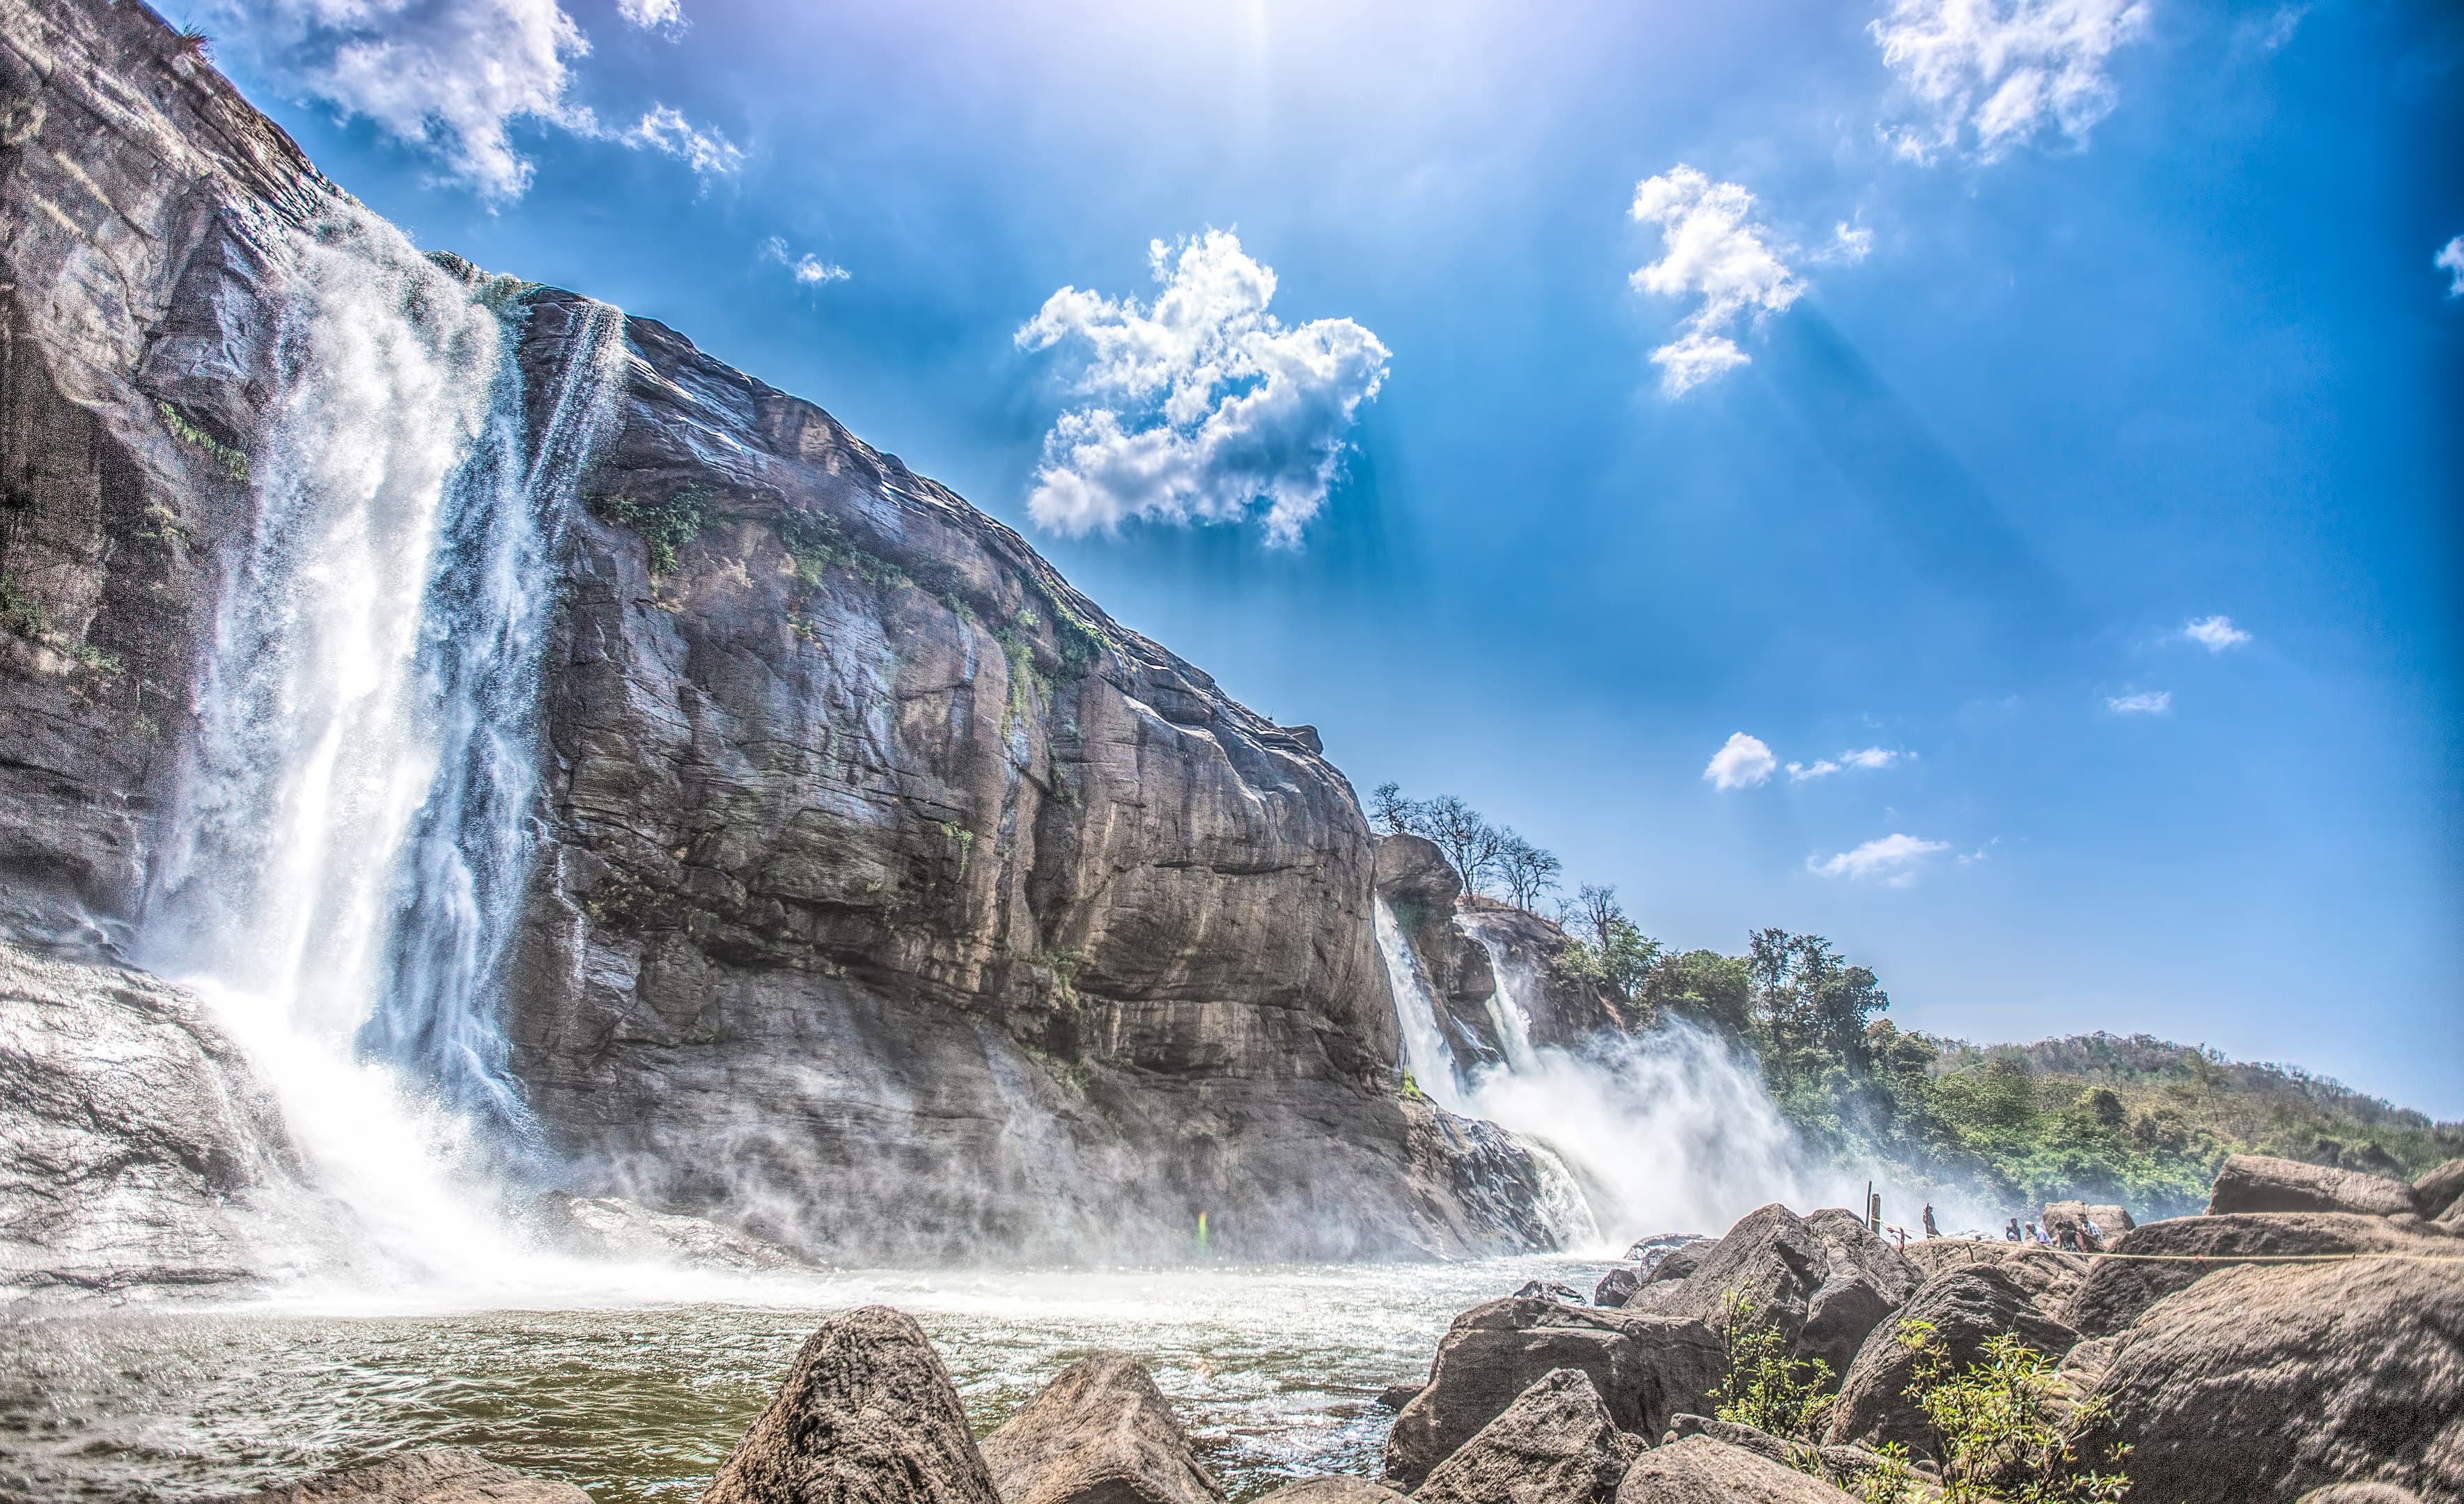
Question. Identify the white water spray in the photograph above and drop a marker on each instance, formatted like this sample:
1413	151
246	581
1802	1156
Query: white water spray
352	833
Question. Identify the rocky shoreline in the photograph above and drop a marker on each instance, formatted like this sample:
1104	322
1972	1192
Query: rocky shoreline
2289	1348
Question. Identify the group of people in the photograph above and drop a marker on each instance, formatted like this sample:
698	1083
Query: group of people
2083	1237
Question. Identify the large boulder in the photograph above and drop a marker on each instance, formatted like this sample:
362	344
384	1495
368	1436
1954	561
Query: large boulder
867	1416
1965	1307
1823	1281
427	1475
2188	1249
1100	1433
2264	1182
1332	1489
2440	1189
612	1227
1555	1444
2048	1274
1645	1368
2263	1381
1696	1470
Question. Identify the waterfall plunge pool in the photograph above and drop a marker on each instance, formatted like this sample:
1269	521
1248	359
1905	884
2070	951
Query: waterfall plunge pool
1274	1370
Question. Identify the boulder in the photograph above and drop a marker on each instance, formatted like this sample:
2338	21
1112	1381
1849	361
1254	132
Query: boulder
2261	1382
1679	1263
1648	1251
1823	1281
2434	1193
866	1413
2048	1274
2361	1494
2264	1182
427	1475
1966	1306
1396	1396
1736	1433
1549	1289
1100	1433
2118	1290
609	1227
2065	1220
1645	1368
1555	1444
1332	1489
1696	1470
1617	1285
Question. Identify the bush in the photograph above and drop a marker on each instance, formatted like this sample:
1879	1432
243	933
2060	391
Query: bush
1763	1387
2006	1428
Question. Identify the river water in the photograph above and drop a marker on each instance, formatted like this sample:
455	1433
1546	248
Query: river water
1275	1371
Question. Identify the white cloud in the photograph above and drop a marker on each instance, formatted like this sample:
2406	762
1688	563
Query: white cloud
1894	860
1203	403
1865	758
1711	247
451	75
1849	242
2001	72
1742	762
2144	701
666	130
654	14
807	269
2451	260
2215	633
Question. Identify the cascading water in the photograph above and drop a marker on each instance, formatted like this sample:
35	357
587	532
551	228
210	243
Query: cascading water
1506	1008
1425	1053
352	831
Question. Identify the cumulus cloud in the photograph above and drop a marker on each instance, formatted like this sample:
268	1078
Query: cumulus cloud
1713	248
1893	860
449	75
1742	762
807	269
2143	702
1865	758
653	15
2215	633
708	153
1201	405
2451	260
1991	75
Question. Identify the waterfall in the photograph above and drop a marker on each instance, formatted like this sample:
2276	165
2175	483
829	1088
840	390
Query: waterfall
1505	1007
1425	1053
352	833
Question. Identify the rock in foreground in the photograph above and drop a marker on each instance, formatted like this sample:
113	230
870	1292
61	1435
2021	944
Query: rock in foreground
428	1476
1554	1445
867	1416
1331	1488
1645	1370
1823	1281
1100	1433
2261	1382
2117	1291
1696	1470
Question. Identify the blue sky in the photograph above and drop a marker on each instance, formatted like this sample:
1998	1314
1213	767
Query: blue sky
2021	334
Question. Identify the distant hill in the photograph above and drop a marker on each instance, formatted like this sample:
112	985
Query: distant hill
2147	1121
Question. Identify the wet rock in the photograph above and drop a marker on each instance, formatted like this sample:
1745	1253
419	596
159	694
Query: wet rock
1549	1289
1651	1252
1329	1489
1396	1396
1643	1368
1527	957
1615	1286
866	1413
1554	1445
1823	1281
1099	1433
2117	1291
428	1475
2263	1183
2261	1382
1696	1470
141	1148
609	1227
1965	1307
2434	1192
1651	1258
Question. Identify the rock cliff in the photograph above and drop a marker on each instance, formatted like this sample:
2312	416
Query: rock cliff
893	900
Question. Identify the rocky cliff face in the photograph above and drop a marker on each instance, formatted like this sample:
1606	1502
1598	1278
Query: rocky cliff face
894	899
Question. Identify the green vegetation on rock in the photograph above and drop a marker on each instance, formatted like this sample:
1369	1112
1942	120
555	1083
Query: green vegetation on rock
666	523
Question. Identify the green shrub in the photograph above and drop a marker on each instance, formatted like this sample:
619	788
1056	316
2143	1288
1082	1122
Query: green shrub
666	524
1763	1387
234	462
2007	1428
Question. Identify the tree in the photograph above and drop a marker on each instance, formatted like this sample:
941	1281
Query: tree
1607	947
1400	816
1469	844
1526	870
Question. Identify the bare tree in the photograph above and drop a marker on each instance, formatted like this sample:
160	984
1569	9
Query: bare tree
1400	816
1469	844
1526	870
1595	908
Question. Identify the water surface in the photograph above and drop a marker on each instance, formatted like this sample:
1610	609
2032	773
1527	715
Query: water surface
1274	1370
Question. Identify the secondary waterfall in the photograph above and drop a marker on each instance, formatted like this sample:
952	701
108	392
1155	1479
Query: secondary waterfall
353	828
1656	1132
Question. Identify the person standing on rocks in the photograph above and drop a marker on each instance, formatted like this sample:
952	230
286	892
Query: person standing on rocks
1930	1230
